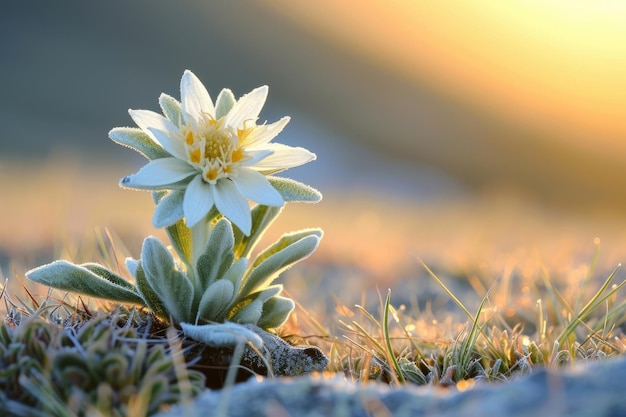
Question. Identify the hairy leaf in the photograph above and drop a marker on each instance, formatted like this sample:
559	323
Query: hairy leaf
138	140
108	275
251	313
294	191
218	254
216	300
69	277
171	109
169	209
262	218
222	334
282	255
150	297
172	286
276	310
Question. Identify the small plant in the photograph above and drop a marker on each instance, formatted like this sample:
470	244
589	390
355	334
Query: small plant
487	347
92	366
206	160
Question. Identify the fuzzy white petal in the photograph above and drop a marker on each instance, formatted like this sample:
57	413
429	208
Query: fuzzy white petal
254	186
170	142
256	156
198	201
265	133
147	119
163	171
284	157
247	107
195	98
233	205
160	129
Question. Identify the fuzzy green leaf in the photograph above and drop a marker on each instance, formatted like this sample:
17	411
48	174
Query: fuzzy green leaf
169	209
263	295
131	265
222	334
224	102
181	239
151	299
249	309
171	285
171	109
284	241
69	277
283	255
108	275
216	300
236	272
262	218
276	310
178	233
294	191
138	140
218	254
251	313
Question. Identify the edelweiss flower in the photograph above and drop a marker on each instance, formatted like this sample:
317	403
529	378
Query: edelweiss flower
218	155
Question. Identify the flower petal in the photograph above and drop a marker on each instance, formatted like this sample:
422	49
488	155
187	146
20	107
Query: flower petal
256	156
160	129
147	119
198	201
194	97
284	157
247	107
171	143
159	172
256	187
233	205
264	133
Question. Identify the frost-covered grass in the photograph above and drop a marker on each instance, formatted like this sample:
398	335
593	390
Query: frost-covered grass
449	293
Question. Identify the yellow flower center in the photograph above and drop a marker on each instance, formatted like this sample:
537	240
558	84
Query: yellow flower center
213	149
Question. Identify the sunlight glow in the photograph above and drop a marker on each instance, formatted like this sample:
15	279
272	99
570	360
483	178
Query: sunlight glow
556	65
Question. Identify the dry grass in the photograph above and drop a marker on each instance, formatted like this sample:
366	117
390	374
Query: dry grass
532	286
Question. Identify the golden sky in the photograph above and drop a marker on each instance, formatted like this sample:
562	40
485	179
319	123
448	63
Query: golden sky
558	66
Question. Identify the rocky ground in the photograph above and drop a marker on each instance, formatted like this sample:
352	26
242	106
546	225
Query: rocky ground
591	389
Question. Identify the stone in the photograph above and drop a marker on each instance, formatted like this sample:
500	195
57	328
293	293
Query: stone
590	389
282	358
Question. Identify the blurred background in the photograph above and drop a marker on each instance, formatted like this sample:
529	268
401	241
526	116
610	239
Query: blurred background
445	130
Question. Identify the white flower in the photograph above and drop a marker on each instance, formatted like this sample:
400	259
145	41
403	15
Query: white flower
218	155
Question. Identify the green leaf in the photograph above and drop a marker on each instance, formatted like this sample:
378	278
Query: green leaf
251	313
218	254
131	265
181	239
222	334
138	140
236	272
171	109
169	209
172	286
282	255
224	102
69	277
108	275
262	218
250	308
216	300
150	298
294	191
284	241
276	310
